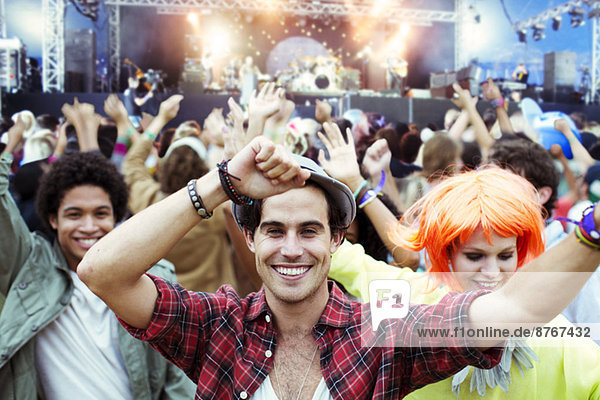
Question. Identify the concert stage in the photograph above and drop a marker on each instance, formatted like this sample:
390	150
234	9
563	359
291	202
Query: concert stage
198	106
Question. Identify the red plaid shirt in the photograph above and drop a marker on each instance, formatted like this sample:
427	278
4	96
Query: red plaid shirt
226	344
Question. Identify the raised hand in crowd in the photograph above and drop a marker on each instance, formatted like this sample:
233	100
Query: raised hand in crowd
466	102
115	109
167	111
234	139
377	160
15	135
343	166
574	193
322	111
491	92
580	154
84	119
146	120
61	142
262	106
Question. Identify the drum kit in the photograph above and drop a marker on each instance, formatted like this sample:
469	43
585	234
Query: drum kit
311	74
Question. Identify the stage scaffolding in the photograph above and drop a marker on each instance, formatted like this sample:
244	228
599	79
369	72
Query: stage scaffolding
54	11
594	15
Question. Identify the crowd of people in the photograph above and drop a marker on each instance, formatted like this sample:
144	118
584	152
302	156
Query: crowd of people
233	257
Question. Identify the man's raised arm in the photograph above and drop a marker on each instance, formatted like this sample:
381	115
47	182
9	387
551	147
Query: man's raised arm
114	268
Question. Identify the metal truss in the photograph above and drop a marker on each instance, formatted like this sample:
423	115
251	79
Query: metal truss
114	46
53	45
547	15
460	55
314	8
595	70
2	19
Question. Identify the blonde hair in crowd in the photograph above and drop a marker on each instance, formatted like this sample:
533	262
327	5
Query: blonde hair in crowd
491	198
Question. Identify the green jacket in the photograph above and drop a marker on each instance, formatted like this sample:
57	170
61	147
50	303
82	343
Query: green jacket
35	282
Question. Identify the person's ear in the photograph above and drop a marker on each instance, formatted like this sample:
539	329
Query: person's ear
53	221
336	240
545	192
249	236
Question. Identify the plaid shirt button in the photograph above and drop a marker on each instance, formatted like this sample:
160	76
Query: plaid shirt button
268	318
243	395
268	353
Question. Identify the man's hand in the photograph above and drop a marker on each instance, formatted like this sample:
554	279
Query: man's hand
265	169
266	103
377	158
115	109
342	164
490	91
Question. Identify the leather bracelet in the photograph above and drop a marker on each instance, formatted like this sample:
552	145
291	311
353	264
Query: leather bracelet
225	178
360	188
197	201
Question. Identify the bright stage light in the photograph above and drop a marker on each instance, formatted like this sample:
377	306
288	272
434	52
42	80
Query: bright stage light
193	18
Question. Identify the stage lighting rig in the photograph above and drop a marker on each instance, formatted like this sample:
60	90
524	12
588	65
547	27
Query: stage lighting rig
538	31
577	17
522	35
556	22
88	8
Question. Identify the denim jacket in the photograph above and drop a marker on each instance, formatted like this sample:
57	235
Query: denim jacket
36	287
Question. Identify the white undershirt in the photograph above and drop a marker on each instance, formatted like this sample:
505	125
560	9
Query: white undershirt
266	392
77	356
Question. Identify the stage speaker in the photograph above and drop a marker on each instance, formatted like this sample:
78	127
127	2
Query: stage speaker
80	60
559	76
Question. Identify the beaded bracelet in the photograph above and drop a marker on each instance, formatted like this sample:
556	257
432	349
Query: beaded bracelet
225	178
197	201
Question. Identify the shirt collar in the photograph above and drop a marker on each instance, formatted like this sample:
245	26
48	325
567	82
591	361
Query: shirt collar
337	313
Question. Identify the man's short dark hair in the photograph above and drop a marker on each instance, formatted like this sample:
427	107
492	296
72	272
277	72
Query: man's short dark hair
251	215
531	161
73	170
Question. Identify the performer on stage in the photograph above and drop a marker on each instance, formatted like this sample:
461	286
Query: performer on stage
207	66
520	74
135	96
397	69
249	80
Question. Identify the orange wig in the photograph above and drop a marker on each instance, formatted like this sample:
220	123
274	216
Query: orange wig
491	198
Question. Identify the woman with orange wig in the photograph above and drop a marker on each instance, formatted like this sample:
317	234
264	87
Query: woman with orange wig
488	201
477	229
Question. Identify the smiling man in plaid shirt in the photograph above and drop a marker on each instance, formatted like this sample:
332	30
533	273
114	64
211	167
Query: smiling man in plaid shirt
266	344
